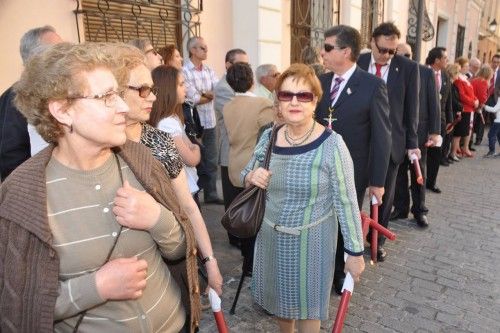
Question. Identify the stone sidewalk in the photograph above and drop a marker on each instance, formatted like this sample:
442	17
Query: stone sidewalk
443	279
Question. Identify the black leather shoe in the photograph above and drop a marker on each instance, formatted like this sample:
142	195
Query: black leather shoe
381	254
422	221
337	285
444	163
396	215
434	189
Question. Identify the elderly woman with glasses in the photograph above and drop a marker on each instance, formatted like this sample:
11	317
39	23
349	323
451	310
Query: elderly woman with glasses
85	224
153	57
310	185
140	97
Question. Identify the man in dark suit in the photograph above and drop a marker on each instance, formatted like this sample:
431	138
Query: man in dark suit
437	60
355	104
494	89
402	78
429	127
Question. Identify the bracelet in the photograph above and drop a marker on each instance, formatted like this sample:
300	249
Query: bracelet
207	259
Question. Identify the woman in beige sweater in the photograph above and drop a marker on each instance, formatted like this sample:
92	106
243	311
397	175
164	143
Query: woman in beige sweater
244	116
86	223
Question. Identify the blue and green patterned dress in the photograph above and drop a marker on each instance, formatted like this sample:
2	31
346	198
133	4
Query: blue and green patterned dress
293	274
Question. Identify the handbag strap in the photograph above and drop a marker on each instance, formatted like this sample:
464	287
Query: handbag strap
82	314
272	141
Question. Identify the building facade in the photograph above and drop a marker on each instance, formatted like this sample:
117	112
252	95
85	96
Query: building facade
271	31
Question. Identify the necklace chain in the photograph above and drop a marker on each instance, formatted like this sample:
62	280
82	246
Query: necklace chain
299	141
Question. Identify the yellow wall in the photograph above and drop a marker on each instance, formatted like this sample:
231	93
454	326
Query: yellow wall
17	17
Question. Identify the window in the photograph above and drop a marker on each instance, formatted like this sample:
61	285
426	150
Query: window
310	18
459	50
160	21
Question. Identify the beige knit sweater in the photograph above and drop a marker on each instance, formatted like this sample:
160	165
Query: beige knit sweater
29	266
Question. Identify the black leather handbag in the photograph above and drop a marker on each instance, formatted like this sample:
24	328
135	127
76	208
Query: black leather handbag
243	217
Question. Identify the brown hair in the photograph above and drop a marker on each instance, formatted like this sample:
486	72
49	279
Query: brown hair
56	74
167	53
165	80
485	72
301	72
461	61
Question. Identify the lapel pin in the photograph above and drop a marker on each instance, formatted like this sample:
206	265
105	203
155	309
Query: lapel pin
397	69
349	91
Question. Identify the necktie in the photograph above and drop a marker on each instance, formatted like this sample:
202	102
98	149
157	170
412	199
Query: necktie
492	86
437	77
335	88
378	67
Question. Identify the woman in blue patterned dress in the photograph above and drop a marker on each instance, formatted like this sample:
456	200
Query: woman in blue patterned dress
309	186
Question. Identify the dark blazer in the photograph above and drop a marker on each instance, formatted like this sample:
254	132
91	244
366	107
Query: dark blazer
402	87
429	121
362	119
445	97
492	100
15	145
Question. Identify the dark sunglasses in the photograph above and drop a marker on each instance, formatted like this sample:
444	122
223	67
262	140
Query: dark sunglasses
383	50
144	91
287	96
329	47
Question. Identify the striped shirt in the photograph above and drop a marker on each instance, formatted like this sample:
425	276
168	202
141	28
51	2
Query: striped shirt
199	81
79	205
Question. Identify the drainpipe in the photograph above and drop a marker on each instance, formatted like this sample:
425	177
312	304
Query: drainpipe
420	22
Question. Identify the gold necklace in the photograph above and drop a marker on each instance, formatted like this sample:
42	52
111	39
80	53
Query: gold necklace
303	138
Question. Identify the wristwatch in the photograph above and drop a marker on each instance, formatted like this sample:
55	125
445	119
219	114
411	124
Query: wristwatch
207	259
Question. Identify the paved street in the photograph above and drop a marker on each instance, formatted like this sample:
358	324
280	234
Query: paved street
443	279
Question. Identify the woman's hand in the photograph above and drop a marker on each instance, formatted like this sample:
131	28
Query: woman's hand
355	265
135	209
214	276
122	279
259	177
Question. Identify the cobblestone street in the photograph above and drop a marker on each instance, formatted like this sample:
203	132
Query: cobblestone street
443	279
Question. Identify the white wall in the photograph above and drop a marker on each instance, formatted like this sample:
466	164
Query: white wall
17	17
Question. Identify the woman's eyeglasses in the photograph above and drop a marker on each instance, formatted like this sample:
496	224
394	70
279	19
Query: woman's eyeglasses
287	96
144	91
329	47
152	51
110	98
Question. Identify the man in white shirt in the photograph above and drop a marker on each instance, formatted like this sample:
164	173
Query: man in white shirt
200	82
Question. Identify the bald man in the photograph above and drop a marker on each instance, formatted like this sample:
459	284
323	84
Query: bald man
429	129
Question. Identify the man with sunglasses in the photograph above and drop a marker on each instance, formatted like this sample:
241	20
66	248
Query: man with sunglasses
200	82
355	105
402	78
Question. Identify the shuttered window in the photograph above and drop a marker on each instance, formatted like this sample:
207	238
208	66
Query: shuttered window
123	20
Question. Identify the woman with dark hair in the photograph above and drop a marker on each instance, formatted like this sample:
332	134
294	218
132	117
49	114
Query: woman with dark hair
244	116
167	115
172	57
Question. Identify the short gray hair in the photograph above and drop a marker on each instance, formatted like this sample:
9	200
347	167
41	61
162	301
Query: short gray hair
140	43
263	70
31	42
192	42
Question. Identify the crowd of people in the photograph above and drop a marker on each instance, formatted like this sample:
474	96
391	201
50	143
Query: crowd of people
106	147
